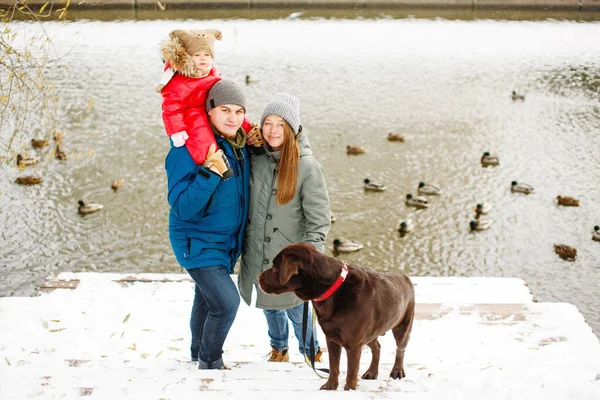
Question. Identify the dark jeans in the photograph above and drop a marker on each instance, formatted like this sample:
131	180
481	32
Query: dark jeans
216	301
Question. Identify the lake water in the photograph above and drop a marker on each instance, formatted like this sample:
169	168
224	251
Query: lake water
443	83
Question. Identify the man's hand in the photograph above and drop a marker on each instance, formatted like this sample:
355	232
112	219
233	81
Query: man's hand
179	138
216	161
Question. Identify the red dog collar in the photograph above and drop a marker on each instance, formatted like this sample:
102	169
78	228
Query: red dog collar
336	284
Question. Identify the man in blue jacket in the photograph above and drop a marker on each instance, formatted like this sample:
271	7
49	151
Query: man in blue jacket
209	209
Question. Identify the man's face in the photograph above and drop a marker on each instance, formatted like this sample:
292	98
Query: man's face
227	118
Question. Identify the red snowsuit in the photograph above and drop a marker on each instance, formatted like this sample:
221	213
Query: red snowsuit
184	109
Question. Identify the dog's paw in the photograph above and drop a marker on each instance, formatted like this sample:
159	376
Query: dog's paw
329	386
397	373
370	374
351	383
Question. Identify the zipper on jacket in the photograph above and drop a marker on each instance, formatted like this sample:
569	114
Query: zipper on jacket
275	170
189	247
239	167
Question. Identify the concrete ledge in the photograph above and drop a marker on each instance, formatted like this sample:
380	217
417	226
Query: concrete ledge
347	4
433	290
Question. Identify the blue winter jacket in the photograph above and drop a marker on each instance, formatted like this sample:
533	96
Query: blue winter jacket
208	215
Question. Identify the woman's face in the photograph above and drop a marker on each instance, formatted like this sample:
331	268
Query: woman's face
227	119
272	130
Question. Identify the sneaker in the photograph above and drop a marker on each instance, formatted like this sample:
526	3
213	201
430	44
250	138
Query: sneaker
279	356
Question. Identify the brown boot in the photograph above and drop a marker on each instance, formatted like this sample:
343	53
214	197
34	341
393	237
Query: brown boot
279	356
318	356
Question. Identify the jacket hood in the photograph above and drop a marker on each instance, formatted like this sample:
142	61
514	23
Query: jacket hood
174	54
304	144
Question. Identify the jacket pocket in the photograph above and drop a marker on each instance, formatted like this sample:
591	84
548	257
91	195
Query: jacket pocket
280	240
209	244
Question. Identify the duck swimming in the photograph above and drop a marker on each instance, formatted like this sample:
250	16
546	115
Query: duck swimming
346	246
419	201
520	187
516	96
61	155
489	159
427	189
596	233
38	143
28	180
88	208
482	208
480	224
405	226
249	80
58	137
373	187
355	150
567	201
24	159
395	137
565	252
117	184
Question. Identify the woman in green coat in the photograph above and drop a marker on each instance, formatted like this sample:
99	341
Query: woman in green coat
288	204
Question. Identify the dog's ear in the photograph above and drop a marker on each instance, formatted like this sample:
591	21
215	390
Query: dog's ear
289	267
294	257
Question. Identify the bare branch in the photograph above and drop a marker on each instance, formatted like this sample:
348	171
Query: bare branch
28	99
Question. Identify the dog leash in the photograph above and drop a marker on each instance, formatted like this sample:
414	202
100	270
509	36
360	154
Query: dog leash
311	361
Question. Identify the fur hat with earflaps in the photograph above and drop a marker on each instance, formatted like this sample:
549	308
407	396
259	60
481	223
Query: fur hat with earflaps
183	44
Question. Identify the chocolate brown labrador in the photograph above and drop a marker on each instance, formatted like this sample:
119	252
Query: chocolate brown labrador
366	305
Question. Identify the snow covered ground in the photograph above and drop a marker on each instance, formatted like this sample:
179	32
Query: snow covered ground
127	337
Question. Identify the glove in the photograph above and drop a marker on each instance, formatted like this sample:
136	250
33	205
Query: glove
217	162
254	136
179	138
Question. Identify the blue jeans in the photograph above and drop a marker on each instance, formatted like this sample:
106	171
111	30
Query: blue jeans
216	301
279	331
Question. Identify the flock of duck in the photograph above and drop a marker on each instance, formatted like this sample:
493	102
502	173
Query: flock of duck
480	221
24	160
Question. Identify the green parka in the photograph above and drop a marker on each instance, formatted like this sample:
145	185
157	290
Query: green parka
271	227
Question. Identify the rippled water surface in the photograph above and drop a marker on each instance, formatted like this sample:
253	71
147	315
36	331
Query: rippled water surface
444	84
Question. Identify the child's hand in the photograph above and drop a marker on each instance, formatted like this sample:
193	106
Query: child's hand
179	138
254	136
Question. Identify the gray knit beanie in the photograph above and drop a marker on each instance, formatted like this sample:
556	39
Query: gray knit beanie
225	92
287	107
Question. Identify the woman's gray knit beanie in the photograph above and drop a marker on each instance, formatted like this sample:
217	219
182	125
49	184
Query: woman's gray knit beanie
287	107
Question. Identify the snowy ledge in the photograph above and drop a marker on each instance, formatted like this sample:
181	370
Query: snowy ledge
123	336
